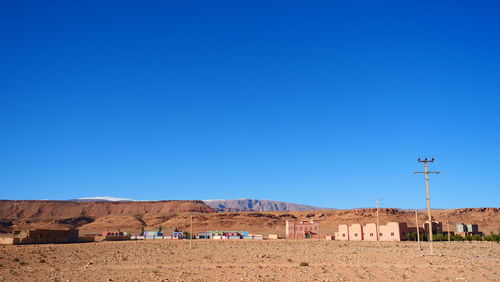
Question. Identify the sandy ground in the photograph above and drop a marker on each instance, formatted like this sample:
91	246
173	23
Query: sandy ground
242	260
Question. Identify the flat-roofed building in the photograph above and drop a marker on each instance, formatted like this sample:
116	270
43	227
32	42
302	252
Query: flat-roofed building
370	232
356	232
301	230
343	234
437	227
41	236
392	231
461	228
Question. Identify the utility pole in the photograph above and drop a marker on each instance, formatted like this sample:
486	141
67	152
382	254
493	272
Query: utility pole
378	224
428	194
418	231
448	225
191	230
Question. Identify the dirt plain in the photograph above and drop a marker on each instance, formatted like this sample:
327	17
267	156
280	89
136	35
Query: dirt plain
250	260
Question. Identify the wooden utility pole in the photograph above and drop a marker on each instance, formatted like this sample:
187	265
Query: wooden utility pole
448	225
418	231
377	227
428	194
191	231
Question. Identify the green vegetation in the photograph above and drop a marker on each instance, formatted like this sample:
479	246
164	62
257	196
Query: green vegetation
43	261
492	237
455	237
16	260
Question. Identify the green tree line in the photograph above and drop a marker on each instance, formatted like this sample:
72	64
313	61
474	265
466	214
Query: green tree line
412	236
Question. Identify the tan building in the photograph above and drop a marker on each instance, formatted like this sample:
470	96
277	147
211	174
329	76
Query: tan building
370	232
301	230
356	232
392	231
41	236
273	236
343	234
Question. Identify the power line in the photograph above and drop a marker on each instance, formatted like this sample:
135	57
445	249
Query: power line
418	231
428	193
378	224
191	230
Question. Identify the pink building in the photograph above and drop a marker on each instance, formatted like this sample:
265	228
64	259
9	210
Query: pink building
302	230
356	232
343	234
370	232
392	231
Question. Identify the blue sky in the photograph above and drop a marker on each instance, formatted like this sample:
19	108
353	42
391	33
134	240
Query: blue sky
326	103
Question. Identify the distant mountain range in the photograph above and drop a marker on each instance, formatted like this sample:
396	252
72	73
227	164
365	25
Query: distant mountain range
236	205
240	205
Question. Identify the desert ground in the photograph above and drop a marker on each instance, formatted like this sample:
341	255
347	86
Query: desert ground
242	260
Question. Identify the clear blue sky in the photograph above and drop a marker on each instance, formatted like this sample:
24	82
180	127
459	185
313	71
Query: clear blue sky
327	103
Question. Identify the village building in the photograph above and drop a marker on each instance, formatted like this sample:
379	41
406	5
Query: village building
116	236
343	234
177	235
203	235
467	229
301	230
370	232
356	232
153	235
223	235
257	236
40	236
437	227
392	231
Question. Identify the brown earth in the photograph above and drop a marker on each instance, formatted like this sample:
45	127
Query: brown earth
250	260
96	217
69	209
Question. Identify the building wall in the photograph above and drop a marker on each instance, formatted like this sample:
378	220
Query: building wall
370	232
437	227
473	228
300	230
460	228
356	232
290	226
6	240
43	236
393	231
343	234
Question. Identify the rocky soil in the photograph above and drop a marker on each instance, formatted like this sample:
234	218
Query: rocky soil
241	260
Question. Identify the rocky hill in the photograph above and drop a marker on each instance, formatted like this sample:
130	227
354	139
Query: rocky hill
240	205
94	209
96	217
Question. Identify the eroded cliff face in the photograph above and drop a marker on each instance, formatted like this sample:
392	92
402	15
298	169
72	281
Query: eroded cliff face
70	209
